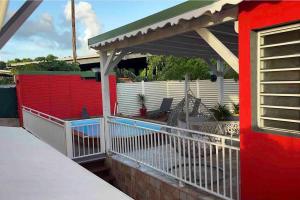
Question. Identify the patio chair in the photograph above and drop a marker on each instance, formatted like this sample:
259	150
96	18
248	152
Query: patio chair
164	108
196	106
84	113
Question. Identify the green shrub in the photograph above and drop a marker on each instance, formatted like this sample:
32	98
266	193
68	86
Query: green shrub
54	65
6	80
236	108
221	112
142	100
174	68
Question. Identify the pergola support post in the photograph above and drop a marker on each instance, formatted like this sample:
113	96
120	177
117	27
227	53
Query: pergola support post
105	144
220	81
107	63
186	96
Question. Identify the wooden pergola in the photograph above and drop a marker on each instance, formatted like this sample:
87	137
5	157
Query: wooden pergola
8	29
203	29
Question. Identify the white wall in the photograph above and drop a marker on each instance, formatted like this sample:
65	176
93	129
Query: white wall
157	90
46	130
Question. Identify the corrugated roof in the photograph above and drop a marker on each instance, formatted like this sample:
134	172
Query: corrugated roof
184	11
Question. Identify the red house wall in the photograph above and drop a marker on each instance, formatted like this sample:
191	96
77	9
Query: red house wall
62	96
270	164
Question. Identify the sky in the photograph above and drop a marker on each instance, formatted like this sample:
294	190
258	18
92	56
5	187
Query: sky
48	29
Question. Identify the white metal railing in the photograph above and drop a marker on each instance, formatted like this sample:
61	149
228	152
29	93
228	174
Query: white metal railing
86	138
206	161
75	139
47	128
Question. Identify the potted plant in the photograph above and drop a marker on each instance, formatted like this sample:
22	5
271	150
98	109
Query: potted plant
236	109
221	112
142	101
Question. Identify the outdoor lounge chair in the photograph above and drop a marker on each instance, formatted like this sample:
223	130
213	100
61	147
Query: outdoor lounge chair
84	113
164	108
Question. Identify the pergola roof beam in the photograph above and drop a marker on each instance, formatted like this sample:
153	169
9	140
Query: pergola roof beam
112	60
165	46
226	39
197	42
225	29
223	32
158	49
169	31
220	48
16	21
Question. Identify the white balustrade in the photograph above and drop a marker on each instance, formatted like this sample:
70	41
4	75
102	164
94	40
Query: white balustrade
75	139
206	161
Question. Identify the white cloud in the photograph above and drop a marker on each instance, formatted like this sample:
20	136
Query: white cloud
46	33
43	32
86	17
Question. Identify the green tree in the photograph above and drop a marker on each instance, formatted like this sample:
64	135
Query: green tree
26	60
16	60
174	68
55	65
124	73
230	73
6	80
40	59
2	65
48	63
50	58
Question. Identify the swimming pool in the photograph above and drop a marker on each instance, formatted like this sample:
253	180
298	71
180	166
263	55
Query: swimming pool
87	127
91	127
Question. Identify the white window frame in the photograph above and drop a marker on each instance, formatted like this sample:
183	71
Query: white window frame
259	116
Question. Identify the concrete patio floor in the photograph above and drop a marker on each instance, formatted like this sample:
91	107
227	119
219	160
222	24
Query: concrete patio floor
31	169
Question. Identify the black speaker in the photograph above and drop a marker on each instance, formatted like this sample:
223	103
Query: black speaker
213	78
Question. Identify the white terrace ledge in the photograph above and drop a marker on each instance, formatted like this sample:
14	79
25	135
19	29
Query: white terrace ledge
31	169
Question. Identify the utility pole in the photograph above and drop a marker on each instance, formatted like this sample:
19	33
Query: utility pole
73	31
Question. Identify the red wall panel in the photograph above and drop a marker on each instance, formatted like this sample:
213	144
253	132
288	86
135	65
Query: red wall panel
270	164
62	96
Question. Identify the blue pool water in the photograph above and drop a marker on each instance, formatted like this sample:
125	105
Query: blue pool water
91	127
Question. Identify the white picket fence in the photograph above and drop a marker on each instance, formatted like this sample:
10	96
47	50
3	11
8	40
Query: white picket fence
157	90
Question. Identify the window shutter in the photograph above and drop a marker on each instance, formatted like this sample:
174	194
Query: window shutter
278	76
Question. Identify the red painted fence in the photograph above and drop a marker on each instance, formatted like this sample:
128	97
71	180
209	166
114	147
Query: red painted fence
62	95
